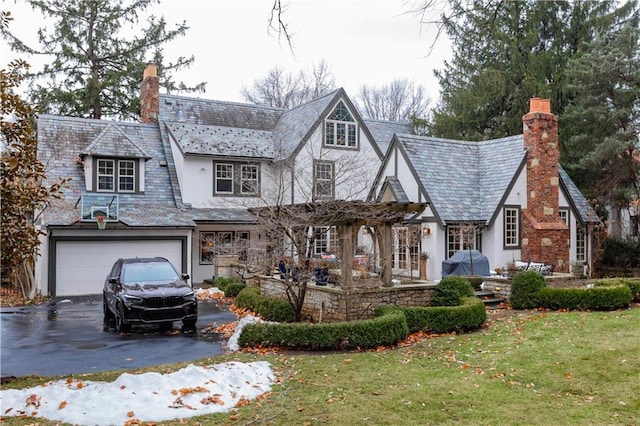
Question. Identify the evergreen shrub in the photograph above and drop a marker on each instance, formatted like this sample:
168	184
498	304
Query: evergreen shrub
269	308
470	315
221	282
450	291
233	289
524	289
596	298
632	283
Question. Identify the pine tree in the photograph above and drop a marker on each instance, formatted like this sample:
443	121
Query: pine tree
95	68
506	52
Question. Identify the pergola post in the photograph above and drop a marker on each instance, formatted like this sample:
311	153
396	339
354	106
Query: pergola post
346	267
386	253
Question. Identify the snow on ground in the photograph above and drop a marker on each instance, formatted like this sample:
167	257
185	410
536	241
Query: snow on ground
191	391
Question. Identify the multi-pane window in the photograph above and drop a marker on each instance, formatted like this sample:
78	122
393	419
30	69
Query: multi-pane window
223	243
341	130
326	241
407	248
511	227
580	244
106	175
116	175
239	179
249	179
126	176
224	178
564	216
323	181
461	237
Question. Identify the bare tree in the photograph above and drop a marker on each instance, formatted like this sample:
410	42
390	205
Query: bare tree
400	100
287	90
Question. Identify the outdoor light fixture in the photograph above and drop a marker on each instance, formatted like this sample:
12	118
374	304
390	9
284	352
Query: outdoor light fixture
426	231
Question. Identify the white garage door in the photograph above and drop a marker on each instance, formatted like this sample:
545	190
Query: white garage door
82	266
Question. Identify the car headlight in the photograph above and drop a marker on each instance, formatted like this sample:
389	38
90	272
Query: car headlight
189	296
131	300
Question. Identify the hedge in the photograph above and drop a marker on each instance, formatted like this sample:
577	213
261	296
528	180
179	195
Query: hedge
595	298
632	283
389	326
387	329
470	315
269	308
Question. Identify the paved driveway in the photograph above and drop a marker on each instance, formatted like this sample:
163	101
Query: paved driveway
64	336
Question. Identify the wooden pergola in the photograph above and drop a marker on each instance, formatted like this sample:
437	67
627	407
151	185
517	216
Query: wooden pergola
347	217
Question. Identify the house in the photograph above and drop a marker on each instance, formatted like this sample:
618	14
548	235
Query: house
508	198
180	183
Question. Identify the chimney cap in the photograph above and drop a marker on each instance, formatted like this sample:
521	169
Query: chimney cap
540	105
151	70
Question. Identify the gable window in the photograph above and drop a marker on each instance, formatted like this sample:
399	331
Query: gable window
116	175
511	227
224	179
237	179
323	179
462	237
340	129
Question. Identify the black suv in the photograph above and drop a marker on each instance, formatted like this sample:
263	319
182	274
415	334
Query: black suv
147	291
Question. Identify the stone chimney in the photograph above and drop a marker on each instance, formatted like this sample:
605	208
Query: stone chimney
150	95
545	238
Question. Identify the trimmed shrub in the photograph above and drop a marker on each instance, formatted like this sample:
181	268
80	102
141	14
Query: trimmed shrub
450	291
233	289
596	298
388	329
524	289
632	283
621	253
221	283
470	315
269	308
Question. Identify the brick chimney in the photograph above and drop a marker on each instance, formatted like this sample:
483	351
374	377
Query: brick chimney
545	238
150	95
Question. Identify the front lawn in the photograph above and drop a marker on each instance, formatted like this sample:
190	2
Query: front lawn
537	369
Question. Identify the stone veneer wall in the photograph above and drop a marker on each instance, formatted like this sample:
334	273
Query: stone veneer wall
332	304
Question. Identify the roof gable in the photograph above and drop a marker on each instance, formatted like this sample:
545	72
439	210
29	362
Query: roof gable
113	142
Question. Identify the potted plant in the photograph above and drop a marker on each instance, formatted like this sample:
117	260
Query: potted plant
424	257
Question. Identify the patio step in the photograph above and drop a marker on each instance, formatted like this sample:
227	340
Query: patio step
489	298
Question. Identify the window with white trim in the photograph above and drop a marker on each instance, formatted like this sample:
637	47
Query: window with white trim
564	216
323	179
116	175
580	244
249	179
326	241
511	227
224	178
461	237
340	129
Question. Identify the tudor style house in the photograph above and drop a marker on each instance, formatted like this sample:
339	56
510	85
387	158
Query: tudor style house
179	184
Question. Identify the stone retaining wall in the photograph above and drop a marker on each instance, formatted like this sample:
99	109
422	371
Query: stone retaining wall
332	304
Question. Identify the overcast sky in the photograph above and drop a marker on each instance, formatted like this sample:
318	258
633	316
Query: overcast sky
368	42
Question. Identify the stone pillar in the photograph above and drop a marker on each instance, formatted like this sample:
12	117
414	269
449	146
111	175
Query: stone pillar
545	238
150	95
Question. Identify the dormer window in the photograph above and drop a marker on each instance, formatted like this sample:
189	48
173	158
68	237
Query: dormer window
340	129
116	175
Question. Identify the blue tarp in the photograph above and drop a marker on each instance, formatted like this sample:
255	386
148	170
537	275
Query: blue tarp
466	262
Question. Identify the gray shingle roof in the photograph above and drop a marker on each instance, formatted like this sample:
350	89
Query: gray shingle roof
396	188
382	131
464	181
62	139
221	141
113	142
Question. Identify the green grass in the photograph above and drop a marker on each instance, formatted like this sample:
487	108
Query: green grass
577	368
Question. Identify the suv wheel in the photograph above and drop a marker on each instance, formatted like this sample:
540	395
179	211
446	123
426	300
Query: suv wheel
121	326
189	324
109	319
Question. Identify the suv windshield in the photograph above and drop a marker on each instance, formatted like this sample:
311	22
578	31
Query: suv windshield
149	272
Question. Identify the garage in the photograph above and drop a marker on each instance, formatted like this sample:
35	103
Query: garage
82	266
